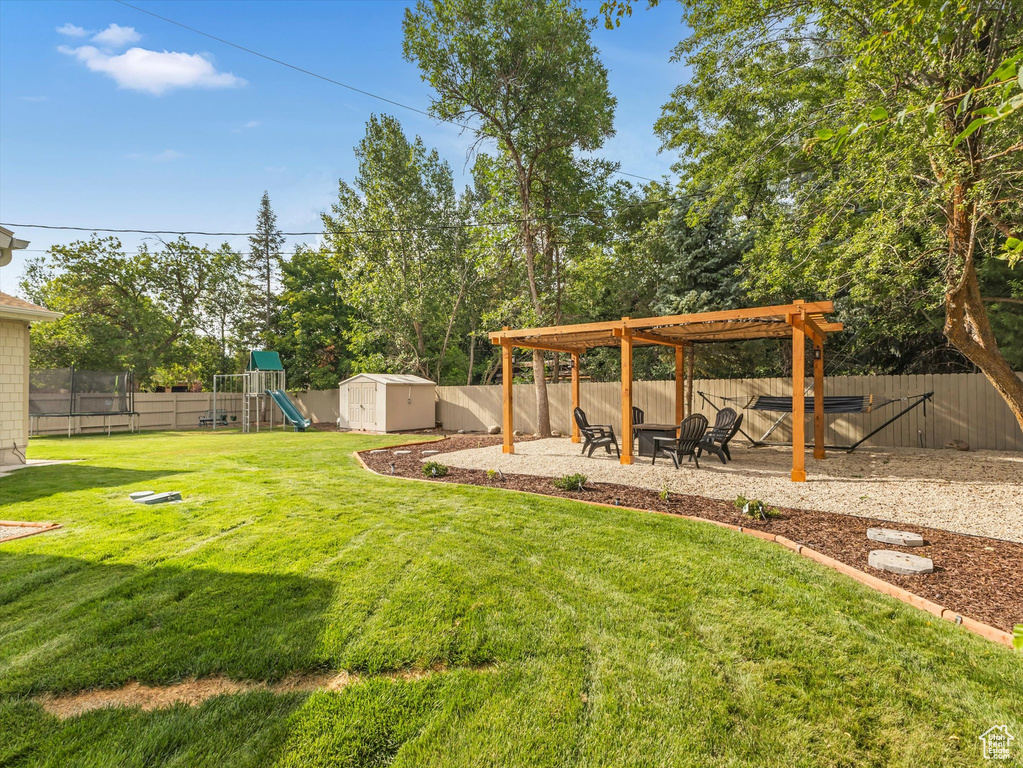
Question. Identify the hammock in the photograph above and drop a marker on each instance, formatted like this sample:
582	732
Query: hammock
832	404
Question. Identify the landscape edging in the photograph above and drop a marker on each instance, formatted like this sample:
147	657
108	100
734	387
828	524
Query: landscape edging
36	528
979	628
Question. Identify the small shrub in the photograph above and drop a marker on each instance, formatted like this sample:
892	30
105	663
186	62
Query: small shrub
491	474
665	493
434	469
755	509
574	482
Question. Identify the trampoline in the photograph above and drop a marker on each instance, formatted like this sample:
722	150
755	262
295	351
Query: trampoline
72	393
833	404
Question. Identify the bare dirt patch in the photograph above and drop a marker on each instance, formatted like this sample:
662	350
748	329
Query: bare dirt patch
974	576
197	690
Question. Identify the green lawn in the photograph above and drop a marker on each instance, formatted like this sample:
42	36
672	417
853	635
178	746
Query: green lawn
570	635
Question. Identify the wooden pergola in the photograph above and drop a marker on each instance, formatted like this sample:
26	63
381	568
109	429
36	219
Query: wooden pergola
801	320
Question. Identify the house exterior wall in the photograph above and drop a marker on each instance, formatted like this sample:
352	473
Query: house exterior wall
409	406
14	340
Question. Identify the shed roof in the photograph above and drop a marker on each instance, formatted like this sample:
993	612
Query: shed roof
13	308
391	378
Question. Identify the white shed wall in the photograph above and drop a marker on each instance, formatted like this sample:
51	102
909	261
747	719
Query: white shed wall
410	407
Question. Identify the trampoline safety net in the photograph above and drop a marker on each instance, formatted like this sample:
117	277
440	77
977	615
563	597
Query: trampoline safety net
73	392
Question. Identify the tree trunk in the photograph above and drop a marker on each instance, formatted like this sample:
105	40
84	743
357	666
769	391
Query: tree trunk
543	408
967	325
472	354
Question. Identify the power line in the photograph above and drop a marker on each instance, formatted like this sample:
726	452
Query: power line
318	76
286	64
369	230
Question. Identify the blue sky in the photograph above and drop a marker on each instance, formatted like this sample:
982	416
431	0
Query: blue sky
102	127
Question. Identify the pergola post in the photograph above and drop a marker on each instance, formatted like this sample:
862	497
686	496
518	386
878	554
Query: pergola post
689	376
818	398
798	399
626	446
507	372
575	396
680	373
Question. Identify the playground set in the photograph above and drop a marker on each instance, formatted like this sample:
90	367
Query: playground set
251	396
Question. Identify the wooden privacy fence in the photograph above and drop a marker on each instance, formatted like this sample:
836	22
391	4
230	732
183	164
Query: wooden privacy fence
965	407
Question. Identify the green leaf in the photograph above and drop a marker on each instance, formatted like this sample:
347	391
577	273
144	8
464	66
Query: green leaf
878	113
965	103
970	129
825	133
1013	244
1017	637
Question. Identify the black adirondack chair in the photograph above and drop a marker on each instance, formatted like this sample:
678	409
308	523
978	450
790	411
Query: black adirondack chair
595	435
690	432
637	415
726	426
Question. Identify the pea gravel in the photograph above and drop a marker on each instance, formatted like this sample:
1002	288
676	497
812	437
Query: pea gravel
976	492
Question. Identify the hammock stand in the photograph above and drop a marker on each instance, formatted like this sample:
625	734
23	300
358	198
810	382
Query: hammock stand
832	404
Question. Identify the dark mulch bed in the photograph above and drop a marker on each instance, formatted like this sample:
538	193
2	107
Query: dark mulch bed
974	576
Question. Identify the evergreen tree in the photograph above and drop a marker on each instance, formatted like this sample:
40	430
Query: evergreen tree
264	264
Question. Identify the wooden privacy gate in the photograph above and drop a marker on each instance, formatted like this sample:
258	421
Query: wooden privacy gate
801	320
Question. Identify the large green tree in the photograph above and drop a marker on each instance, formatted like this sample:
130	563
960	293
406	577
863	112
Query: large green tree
874	147
142	310
525	75
396	231
315	321
264	262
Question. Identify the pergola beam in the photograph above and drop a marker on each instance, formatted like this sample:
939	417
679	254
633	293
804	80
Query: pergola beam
776	314
651	338
545	347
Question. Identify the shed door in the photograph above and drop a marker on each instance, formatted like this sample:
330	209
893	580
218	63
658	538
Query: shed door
369	402
354	406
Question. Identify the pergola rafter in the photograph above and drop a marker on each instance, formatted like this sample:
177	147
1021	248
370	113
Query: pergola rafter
801	320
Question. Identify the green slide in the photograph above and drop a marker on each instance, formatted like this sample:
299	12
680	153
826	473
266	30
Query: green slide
289	410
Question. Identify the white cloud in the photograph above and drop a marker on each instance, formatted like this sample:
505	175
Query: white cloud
247	127
116	36
140	69
70	30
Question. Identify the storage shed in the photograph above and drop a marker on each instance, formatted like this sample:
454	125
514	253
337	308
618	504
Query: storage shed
387	402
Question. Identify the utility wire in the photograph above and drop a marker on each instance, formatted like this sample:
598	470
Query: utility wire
318	76
593	212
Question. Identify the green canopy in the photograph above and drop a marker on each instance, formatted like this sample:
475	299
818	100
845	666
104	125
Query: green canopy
264	360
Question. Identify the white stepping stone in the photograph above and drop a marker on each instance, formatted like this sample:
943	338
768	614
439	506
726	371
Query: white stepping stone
379	450
140	495
898	538
430	453
402	453
160	498
900	562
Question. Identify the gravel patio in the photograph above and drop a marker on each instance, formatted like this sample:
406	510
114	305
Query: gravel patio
976	492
